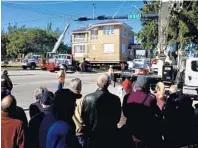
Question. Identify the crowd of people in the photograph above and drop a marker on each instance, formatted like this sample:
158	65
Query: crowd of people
67	119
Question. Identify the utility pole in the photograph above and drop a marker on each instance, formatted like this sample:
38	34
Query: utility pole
93	9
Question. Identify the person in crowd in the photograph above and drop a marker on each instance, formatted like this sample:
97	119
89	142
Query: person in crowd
110	72
12	130
4	92
101	112
127	88
125	135
6	81
196	123
35	121
35	107
139	114
19	113
61	77
57	128
75	87
183	132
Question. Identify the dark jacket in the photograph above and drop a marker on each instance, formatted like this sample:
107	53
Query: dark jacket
6	82
140	119
20	115
184	118
33	130
34	109
196	122
101	112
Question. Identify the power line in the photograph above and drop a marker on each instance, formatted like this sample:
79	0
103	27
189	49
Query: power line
119	9
34	10
56	16
43	3
29	21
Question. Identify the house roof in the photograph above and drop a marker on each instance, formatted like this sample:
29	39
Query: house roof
80	30
100	24
108	22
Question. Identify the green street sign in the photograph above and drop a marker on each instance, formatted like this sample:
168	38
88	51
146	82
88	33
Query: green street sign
134	16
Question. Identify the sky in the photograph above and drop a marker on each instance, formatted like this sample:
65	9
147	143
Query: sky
59	13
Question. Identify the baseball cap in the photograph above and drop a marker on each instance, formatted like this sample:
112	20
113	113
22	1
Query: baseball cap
141	81
47	97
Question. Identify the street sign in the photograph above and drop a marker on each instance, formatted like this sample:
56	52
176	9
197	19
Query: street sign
134	16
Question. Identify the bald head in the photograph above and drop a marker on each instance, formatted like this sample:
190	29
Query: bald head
8	104
103	81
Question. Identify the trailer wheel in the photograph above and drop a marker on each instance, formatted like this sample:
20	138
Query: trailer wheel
33	66
24	67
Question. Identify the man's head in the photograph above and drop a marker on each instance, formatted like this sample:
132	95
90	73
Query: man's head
64	104
4	72
141	82
173	89
62	67
103	81
46	98
8	104
160	90
38	92
76	86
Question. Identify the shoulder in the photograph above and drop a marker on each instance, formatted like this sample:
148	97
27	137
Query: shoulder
59	127
18	124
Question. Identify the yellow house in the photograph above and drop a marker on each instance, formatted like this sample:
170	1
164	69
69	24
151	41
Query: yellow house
102	42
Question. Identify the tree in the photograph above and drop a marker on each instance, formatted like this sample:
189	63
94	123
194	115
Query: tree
22	40
183	26
4	42
148	35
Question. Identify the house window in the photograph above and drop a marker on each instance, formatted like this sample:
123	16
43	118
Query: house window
79	37
124	32
93	47
123	48
79	48
108	30
94	34
108	48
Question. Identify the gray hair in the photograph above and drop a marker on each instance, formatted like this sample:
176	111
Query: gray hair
76	85
38	92
103	81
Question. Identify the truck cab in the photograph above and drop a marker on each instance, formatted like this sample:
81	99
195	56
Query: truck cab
30	62
191	77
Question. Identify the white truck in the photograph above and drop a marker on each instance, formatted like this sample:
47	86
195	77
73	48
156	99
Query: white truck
190	85
30	62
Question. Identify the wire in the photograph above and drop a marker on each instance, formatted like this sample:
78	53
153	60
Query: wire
56	16
29	21
34	10
43	3
119	9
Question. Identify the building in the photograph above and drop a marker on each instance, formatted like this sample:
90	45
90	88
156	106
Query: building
107	41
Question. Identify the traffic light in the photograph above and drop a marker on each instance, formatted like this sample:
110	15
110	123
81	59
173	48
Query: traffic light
82	19
102	17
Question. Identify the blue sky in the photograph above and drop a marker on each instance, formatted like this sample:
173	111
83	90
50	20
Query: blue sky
39	14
